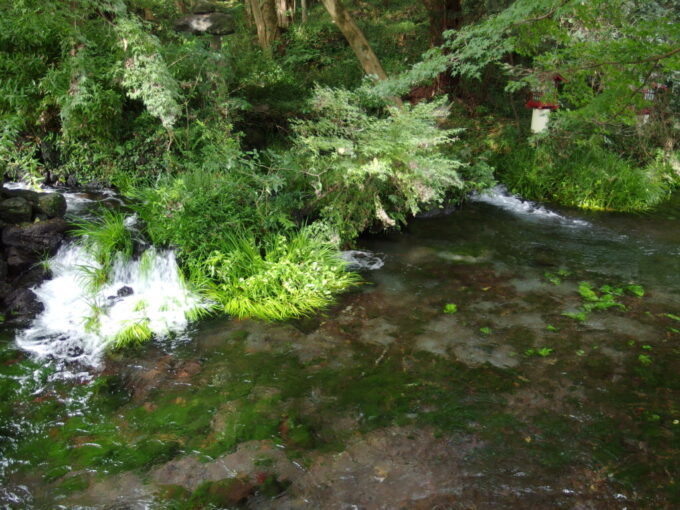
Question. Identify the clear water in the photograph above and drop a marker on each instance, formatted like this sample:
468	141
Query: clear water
386	401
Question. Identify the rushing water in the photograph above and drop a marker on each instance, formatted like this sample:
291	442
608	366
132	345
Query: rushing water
386	400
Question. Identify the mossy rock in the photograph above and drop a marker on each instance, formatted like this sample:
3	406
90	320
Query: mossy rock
15	210
52	205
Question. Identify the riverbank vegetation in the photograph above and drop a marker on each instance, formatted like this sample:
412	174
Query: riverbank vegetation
260	137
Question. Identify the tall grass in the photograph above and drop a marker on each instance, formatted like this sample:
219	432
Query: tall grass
587	176
105	236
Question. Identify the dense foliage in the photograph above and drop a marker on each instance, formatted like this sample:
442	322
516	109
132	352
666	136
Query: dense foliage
259	157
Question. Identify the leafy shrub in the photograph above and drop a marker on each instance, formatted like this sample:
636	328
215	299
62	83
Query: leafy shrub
359	168
238	244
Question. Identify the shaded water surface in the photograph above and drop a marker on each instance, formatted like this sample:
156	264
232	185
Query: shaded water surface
395	398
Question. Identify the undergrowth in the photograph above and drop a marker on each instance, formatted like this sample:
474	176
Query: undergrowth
586	175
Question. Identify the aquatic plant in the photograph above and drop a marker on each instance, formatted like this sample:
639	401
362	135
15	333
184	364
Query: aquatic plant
450	308
133	333
602	298
556	277
543	352
93	277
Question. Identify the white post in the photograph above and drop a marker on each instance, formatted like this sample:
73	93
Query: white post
539	120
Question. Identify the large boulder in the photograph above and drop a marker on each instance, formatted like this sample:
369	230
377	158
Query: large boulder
214	23
49	205
52	205
19	260
41	238
15	210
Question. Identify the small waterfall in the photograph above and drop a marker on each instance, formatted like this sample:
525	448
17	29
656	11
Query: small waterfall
362	260
79	324
499	196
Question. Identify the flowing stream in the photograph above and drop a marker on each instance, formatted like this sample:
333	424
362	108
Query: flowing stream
509	355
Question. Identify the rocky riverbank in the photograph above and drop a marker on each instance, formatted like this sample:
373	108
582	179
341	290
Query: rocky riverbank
32	228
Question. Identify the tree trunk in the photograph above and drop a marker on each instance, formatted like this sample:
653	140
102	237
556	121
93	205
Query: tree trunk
264	14
284	8
444	15
181	6
356	39
303	8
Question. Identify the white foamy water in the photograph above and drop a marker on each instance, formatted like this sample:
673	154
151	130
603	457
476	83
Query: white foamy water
149	290
362	260
500	197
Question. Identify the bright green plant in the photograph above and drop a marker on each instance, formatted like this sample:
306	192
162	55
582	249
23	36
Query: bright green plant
645	359
93	277
543	352
106	237
281	277
556	277
133	333
605	299
579	316
450	308
585	175
636	290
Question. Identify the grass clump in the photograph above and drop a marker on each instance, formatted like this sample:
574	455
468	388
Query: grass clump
585	175
105	236
134	333
278	278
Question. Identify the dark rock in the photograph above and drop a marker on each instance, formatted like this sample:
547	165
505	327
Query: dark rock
31	278
19	260
26	194
71	181
125	291
5	290
52	205
3	269
41	238
74	351
23	304
16	210
215	23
